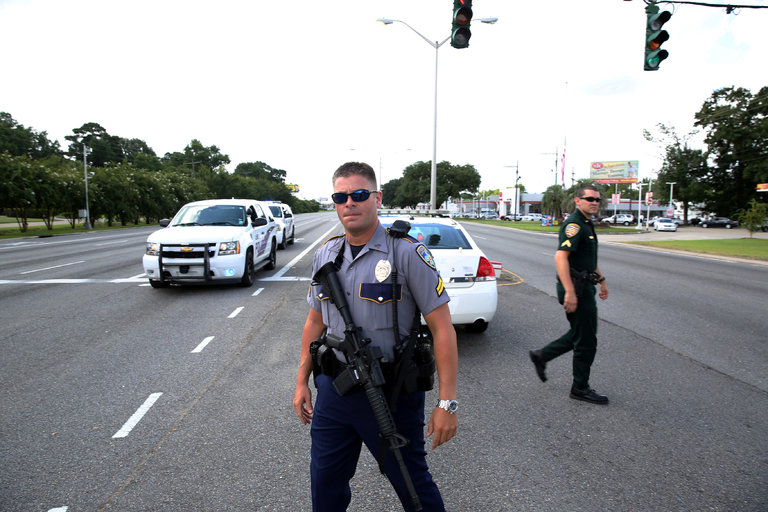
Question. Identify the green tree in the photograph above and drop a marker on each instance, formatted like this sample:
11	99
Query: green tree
754	217
553	202
20	141
452	181
260	170
103	148
737	140
195	156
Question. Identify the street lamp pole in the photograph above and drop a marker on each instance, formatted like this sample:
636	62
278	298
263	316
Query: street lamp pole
436	45
85	172
671	188
517	190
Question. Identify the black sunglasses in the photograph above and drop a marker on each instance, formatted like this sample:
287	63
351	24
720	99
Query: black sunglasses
357	196
591	199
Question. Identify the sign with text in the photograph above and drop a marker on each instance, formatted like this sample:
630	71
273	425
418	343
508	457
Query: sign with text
614	172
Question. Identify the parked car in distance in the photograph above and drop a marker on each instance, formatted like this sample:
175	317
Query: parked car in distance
665	224
468	275
216	240
621	218
286	231
536	217
719	222
512	216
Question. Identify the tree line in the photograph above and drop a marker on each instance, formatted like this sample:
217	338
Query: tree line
127	181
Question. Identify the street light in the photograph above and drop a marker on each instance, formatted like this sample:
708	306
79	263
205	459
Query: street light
671	188
517	190
85	172
436	45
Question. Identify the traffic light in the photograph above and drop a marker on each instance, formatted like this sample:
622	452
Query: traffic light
655	37
462	15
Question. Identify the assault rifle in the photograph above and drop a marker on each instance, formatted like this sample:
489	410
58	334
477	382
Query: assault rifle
364	369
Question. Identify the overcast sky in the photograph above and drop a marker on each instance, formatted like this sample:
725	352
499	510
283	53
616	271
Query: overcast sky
305	85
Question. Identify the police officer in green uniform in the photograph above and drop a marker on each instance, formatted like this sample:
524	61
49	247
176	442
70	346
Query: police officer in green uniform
366	257
577	275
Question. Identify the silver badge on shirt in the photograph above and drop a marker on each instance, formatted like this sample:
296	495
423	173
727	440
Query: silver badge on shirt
383	269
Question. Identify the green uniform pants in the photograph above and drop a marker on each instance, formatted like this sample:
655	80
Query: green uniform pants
581	338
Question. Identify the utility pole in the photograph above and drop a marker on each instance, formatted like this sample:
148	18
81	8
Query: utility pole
85	172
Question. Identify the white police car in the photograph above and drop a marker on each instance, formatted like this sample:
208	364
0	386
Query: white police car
468	275
286	231
217	240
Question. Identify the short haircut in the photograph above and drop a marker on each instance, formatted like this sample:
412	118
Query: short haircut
356	169
583	188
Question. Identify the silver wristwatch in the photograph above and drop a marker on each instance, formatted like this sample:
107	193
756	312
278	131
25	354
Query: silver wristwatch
449	405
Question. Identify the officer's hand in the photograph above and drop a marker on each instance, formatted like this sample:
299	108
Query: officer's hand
603	293
443	425
571	302
302	402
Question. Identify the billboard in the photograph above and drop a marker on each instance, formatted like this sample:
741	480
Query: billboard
614	172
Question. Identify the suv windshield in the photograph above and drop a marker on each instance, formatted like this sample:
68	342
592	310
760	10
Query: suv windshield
211	215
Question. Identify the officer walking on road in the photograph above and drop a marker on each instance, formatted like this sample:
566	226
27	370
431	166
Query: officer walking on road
577	275
366	257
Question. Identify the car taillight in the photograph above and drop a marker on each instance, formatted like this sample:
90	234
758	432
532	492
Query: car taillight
485	270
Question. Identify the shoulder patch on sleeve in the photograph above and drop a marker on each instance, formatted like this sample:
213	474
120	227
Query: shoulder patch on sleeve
572	230
440	288
567	243
426	256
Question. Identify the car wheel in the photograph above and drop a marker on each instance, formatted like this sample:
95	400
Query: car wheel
728	226
704	224
626	223
249	272
155	283
282	244
272	258
293	235
477	327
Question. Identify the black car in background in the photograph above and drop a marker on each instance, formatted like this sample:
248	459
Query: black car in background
719	222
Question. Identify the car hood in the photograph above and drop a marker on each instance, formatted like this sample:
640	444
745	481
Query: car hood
196	234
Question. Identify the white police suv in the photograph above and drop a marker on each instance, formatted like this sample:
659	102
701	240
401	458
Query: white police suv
286	232
216	240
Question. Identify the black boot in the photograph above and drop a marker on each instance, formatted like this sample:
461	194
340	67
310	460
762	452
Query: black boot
588	395
539	363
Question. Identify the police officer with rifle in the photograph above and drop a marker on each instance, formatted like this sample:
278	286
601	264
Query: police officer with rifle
371	364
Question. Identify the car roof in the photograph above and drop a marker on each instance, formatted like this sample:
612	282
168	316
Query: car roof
206	202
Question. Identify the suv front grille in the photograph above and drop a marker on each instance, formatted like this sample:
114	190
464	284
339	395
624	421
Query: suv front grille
197	252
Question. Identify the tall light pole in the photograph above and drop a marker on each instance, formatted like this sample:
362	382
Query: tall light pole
85	172
671	188
436	45
517	190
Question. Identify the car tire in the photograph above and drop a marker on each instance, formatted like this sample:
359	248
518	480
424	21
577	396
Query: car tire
156	283
249	271
272	262
626	223
282	243
293	235
728	226
703	224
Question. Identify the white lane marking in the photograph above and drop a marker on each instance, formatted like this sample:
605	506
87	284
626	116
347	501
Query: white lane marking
55	266
279	275
257	292
136	418
236	312
58	509
202	345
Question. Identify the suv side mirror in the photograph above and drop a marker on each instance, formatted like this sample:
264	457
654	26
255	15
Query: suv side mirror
261	221
164	222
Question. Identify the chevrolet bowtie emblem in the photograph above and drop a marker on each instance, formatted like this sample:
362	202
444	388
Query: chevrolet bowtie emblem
186	249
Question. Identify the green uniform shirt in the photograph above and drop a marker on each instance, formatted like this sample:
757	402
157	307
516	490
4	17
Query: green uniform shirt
577	236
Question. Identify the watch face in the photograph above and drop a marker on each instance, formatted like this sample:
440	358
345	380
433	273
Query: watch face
453	406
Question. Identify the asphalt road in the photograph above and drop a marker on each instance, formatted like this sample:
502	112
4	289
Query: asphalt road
87	345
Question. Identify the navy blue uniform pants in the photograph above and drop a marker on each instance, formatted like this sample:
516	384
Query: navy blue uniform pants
340	424
581	337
